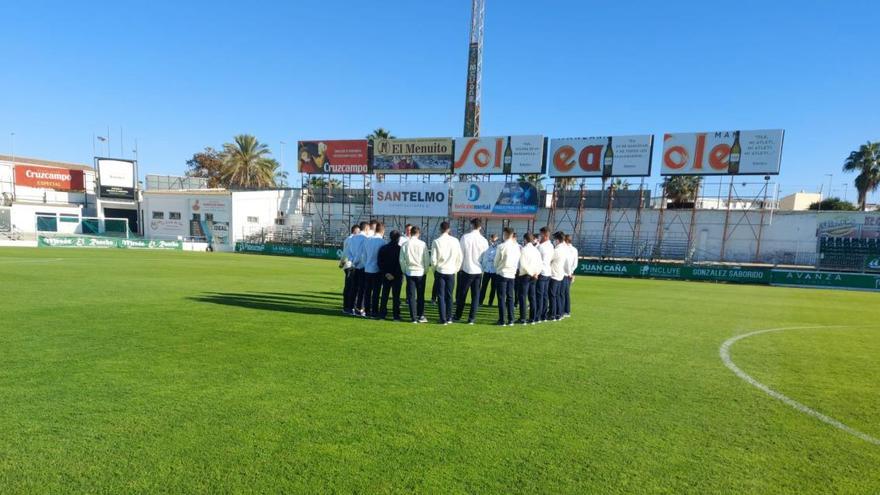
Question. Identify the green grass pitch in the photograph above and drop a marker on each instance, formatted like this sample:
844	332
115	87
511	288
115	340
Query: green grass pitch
124	371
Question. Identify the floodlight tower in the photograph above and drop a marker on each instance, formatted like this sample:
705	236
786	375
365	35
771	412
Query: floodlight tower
474	70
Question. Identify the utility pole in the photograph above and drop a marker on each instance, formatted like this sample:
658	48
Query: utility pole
830	178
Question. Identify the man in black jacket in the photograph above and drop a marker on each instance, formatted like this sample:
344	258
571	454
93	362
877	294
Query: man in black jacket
392	276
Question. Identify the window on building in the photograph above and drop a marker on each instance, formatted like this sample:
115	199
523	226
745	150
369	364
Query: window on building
158	215
173	215
279	221
253	219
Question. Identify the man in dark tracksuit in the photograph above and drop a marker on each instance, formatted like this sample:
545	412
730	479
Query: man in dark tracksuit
392	276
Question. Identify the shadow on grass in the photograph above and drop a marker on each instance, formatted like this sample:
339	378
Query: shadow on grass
291	303
310	303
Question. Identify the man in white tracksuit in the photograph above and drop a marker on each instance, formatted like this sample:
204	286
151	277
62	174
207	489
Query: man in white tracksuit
414	262
569	279
542	290
473	245
446	258
506	265
530	266
558	265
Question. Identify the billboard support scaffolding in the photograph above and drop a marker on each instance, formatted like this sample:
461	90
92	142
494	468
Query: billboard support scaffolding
637	227
606	229
735	218
761	222
726	221
690	242
658	238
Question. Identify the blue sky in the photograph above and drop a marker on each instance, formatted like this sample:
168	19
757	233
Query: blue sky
179	76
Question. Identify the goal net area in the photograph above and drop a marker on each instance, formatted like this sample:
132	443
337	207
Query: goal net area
72	225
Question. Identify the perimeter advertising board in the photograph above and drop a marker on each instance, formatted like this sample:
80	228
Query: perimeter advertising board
412	156
722	153
709	273
495	200
115	178
105	243
300	250
499	155
826	280
59	179
333	157
605	156
412	200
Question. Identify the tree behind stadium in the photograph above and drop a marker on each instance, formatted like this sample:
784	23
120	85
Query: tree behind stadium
866	161
245	163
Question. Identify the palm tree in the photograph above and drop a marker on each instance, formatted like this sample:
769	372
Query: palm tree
536	179
565	183
866	161
317	183
620	185
682	188
247	163
379	133
280	177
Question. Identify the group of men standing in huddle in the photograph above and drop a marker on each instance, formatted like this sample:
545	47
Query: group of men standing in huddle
535	275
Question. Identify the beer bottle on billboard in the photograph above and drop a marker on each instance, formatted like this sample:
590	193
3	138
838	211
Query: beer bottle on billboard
508	157
608	160
735	155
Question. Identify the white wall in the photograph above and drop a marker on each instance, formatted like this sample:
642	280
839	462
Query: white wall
166	228
264	206
24	217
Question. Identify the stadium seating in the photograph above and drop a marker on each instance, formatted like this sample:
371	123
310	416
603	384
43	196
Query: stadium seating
848	254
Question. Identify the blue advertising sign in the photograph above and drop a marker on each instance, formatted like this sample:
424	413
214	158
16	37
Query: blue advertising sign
495	200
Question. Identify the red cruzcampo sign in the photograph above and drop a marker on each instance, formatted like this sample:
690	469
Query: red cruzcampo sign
333	157
59	179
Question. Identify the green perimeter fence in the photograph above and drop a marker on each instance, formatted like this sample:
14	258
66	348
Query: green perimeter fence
671	271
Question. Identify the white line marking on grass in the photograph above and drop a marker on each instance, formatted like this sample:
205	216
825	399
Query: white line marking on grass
15	261
724	352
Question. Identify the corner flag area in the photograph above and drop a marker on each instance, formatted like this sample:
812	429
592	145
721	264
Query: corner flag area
143	371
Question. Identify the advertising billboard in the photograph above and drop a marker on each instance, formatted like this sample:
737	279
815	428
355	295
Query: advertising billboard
415	200
412	156
601	156
59	179
722	153
851	224
499	155
472	92
213	218
333	157
495	200
116	178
